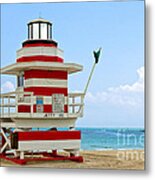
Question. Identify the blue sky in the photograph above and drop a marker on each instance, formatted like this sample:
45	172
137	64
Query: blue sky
116	94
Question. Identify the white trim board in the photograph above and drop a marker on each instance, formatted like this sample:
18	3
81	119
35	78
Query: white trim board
49	145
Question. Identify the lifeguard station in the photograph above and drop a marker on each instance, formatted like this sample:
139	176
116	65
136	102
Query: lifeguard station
32	117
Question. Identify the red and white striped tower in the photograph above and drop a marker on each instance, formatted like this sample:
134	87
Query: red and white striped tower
41	99
40	48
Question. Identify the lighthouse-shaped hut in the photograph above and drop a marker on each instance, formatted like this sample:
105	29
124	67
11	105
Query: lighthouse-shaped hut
41	104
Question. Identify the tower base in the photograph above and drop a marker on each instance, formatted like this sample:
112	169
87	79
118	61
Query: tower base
40	157
22	146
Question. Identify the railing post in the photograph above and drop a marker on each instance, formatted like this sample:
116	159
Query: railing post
2	106
68	104
9	105
16	103
73	107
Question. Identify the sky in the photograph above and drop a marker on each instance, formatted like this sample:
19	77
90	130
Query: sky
115	96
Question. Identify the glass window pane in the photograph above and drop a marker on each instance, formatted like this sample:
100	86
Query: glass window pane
20	81
49	31
43	29
35	31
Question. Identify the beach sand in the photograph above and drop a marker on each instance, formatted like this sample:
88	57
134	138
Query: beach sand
111	159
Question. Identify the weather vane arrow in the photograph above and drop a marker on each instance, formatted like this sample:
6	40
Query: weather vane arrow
96	56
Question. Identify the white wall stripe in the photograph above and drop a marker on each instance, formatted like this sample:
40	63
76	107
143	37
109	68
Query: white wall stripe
45	82
49	145
36	51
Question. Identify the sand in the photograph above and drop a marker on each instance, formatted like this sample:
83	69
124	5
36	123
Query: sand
122	159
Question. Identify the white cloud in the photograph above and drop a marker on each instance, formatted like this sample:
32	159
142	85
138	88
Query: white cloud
138	86
7	87
127	94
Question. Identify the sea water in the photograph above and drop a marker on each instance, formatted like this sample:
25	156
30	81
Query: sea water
111	138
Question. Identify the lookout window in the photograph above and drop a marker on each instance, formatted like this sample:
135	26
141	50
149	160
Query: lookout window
39	30
20	81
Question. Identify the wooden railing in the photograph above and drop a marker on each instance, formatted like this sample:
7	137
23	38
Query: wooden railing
76	103
10	102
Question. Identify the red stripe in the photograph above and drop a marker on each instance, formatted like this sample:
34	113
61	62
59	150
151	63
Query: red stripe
45	74
65	108
39	44
2	140
46	109
23	109
40	58
49	135
46	91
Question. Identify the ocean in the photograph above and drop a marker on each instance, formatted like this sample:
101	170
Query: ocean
111	138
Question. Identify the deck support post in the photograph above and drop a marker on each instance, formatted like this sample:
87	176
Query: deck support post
21	154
